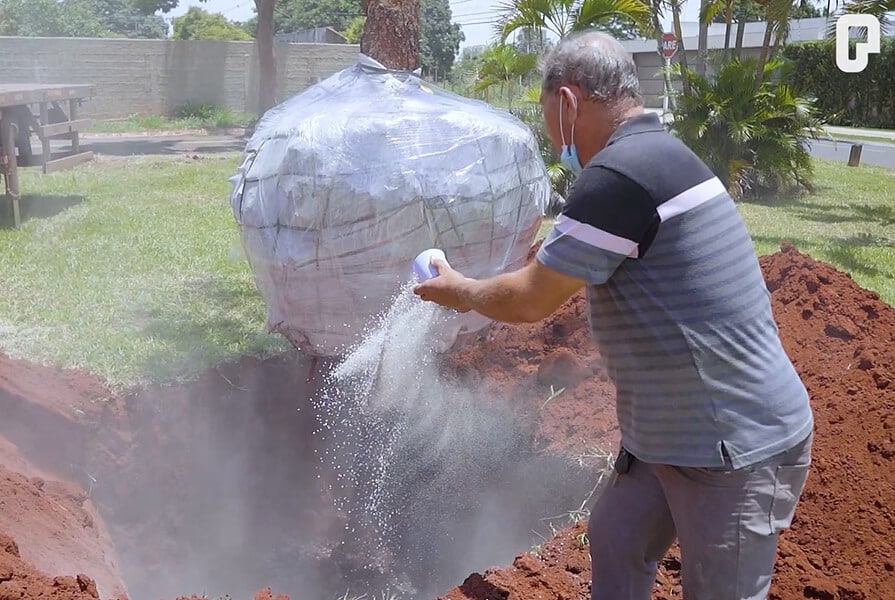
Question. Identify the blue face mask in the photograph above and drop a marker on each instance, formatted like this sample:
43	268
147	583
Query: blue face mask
569	155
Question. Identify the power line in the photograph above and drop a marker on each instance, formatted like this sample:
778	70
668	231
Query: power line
476	14
489	22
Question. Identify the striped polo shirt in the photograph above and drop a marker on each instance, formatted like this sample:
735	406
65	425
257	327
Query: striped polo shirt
677	305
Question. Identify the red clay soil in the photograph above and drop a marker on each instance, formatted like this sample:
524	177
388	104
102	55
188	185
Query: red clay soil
840	337
842	341
44	477
20	580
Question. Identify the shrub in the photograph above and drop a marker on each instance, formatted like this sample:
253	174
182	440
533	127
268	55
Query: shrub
755	141
862	99
209	115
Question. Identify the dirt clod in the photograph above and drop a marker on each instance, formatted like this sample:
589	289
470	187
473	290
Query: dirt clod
562	368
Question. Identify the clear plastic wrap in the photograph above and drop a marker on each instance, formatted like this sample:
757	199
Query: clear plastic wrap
342	185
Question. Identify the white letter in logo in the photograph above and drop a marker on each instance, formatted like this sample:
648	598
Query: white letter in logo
862	49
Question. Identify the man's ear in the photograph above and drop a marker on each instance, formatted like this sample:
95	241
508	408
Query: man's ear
569	100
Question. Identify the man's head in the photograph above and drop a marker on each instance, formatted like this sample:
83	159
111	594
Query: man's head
589	86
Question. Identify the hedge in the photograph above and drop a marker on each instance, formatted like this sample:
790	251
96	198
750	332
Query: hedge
865	99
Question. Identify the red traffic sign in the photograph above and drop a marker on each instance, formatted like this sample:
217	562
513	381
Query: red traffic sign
669	45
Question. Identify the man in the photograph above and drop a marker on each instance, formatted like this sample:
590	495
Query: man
716	426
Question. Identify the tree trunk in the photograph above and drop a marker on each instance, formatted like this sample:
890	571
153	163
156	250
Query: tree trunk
681	50
392	33
267	79
763	57
741	32
728	22
702	50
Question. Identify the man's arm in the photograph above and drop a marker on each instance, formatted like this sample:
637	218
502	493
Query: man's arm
608	219
530	294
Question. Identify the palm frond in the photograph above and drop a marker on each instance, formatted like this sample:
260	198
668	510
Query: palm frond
596	12
532	95
710	10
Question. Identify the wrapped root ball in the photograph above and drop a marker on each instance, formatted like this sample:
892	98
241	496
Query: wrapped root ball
342	185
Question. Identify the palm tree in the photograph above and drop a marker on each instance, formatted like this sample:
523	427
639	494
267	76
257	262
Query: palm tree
712	9
562	17
503	64
877	8
777	25
751	140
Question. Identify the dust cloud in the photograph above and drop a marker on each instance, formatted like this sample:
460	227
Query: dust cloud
434	477
381	475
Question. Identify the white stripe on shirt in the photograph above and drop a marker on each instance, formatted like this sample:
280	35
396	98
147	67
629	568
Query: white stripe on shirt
689	199
596	237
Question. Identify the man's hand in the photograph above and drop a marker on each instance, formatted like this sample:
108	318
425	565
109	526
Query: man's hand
445	289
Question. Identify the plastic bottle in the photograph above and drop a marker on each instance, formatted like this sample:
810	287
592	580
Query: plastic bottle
422	264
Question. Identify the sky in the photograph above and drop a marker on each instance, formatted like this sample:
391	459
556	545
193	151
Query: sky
476	17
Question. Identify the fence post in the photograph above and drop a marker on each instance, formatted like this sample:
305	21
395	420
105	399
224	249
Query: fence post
854	155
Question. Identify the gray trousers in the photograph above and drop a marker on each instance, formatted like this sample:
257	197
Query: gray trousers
725	520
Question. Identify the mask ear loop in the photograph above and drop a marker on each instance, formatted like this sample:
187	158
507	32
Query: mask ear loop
562	134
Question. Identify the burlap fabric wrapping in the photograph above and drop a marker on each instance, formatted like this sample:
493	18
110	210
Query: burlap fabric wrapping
343	184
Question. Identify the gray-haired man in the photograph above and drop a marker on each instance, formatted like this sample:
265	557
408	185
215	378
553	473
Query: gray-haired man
716	425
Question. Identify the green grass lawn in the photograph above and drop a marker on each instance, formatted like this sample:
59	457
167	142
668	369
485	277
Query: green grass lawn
141	278
848	222
133	268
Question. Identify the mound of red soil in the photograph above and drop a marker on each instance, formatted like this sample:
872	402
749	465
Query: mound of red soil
841	339
20	580
45	477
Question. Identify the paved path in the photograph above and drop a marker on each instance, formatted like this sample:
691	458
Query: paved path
882	134
880	154
873	153
163	144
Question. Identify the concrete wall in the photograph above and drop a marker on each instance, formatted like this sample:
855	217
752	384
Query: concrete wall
156	76
649	65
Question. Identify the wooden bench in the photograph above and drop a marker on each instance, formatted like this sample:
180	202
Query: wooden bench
18	122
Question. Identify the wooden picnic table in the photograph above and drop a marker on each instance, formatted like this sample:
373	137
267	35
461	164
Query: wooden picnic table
50	121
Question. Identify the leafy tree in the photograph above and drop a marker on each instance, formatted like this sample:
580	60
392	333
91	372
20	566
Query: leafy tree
123	17
150	7
295	15
439	38
355	30
51	18
199	24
